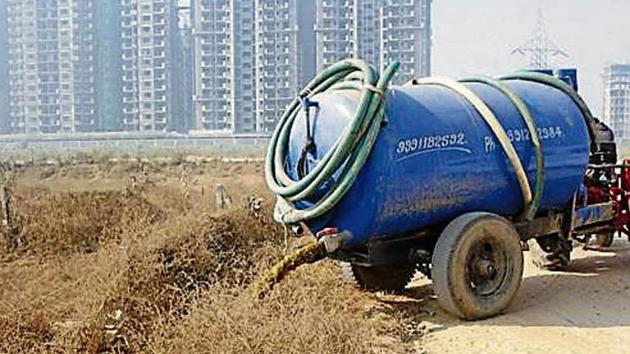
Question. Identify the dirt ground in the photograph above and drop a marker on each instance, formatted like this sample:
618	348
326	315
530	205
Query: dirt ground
584	309
145	240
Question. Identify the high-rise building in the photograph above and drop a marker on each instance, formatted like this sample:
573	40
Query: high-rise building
4	69
367	21
219	65
23	66
81	57
406	36
64	65
251	58
307	42
243	67
224	94
147	64
182	57
281	44
108	71
334	31
617	99
377	31
51	65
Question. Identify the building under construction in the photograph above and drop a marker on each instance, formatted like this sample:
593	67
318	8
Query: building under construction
617	99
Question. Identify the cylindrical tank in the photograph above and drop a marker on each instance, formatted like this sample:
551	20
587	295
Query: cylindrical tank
437	158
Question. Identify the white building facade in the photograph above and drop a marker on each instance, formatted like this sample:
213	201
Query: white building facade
617	99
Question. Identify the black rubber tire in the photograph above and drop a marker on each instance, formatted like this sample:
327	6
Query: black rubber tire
389	278
550	253
603	240
454	259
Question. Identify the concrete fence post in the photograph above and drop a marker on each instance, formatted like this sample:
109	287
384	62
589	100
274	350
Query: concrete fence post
11	233
222	199
6	206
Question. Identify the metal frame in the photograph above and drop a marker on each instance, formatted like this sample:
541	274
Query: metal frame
417	246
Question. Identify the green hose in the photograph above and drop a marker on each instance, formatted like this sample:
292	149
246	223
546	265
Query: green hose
562	86
532	208
349	153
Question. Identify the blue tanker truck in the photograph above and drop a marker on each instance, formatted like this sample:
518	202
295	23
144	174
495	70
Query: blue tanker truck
451	178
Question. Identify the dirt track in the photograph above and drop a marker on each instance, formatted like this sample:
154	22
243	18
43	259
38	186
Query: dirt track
583	310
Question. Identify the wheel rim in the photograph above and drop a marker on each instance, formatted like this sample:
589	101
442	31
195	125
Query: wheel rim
486	267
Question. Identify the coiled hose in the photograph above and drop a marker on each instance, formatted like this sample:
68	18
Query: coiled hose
349	153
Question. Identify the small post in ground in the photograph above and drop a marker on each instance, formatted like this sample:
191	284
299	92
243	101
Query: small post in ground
7	223
222	199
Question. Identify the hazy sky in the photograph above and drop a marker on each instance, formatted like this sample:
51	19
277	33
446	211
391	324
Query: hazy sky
476	36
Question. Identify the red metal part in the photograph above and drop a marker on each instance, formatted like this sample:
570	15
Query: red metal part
327	232
612	183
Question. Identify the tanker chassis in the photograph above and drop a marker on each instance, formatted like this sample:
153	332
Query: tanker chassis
451	178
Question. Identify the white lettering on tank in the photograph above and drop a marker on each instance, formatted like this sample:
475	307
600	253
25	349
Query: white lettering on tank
405	146
411	147
489	144
522	134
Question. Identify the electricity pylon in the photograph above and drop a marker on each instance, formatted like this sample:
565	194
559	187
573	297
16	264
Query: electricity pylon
540	48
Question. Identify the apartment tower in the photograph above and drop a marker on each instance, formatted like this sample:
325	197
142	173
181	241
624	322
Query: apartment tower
4	69
377	31
251	58
182	69
146	64
617	99
283	43
51	66
108	74
224	93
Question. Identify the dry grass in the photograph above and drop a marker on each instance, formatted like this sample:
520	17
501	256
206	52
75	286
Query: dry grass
313	311
176	268
65	223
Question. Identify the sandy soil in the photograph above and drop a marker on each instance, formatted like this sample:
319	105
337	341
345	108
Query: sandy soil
582	310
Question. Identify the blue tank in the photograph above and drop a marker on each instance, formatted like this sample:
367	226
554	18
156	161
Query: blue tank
437	158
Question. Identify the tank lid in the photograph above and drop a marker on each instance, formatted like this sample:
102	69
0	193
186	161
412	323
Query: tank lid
569	76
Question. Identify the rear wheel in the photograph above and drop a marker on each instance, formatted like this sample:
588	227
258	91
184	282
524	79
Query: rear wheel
603	240
477	266
389	278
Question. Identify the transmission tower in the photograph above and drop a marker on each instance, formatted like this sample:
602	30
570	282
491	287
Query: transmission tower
540	48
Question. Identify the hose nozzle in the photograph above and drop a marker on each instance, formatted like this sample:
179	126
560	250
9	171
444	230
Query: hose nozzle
332	239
